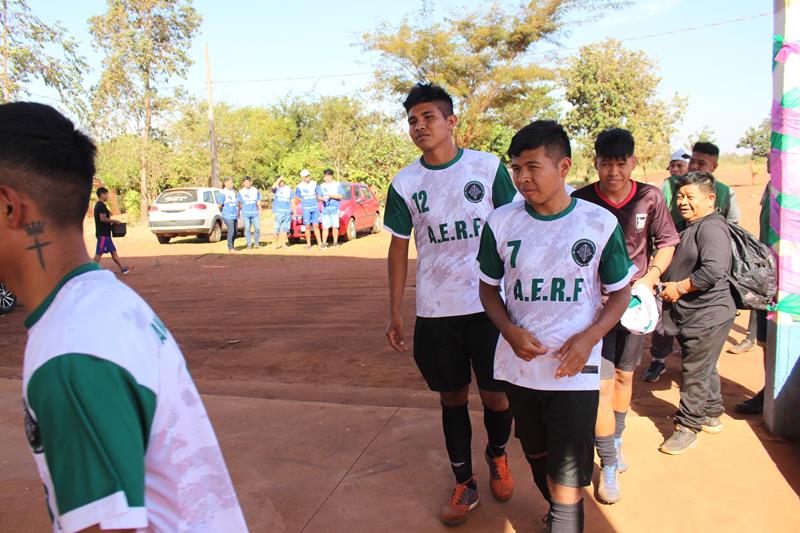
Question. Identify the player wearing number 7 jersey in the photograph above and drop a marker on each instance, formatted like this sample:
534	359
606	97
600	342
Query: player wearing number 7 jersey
555	255
444	198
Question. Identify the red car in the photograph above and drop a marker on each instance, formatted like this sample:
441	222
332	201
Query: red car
359	211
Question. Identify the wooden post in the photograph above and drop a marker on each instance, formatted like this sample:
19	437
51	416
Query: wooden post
782	391
212	133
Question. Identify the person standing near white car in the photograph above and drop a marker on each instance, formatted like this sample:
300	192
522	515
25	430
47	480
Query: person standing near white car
250	202
229	207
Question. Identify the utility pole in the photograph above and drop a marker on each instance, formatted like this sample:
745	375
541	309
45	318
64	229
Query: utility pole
782	390
212	133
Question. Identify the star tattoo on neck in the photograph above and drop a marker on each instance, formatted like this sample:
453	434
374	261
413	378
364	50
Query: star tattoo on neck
35	229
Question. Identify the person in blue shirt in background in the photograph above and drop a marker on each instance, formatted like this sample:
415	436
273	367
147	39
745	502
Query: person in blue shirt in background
282	209
331	192
229	206
250	202
307	192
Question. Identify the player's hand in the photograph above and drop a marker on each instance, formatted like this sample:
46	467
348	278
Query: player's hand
669	293
574	354
394	332
523	342
648	281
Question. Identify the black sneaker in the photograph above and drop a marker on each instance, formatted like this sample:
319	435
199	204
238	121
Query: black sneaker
680	441
655	370
753	406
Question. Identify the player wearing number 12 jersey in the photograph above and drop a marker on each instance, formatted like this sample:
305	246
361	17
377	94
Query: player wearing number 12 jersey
444	198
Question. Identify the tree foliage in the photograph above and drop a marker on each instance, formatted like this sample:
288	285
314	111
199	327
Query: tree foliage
480	59
25	45
705	134
609	86
757	140
341	133
146	44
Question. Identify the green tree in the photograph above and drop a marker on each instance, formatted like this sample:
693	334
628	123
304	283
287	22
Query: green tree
146	43
25	46
757	140
384	152
608	86
706	135
480	58
263	142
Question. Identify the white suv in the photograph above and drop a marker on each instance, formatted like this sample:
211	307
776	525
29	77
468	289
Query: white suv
188	211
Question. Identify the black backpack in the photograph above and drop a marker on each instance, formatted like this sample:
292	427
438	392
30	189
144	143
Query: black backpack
752	276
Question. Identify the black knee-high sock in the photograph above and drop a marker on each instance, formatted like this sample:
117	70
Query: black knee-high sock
539	471
565	518
498	428
458	439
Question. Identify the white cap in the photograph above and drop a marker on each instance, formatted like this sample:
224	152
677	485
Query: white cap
642	314
681	154
304	173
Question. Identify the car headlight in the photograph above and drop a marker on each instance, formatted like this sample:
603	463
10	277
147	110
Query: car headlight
341	213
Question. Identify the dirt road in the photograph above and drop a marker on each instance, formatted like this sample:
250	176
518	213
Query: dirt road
308	325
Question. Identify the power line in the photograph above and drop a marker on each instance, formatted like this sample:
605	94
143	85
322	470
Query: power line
530	54
661	34
300	78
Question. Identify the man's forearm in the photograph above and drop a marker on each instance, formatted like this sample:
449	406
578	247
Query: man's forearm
398	271
660	263
662	259
494	306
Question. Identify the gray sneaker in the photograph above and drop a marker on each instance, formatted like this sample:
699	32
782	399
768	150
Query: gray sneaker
712	424
680	441
745	346
622	465
608	486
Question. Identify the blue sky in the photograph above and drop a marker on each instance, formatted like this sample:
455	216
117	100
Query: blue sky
725	70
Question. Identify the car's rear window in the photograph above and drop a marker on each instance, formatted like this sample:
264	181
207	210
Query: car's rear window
177	197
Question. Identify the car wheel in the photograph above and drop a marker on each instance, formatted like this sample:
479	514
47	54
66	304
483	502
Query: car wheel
216	233
163	239
350	233
377	226
7	300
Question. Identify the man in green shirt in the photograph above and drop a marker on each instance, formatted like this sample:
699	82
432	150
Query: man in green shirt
704	158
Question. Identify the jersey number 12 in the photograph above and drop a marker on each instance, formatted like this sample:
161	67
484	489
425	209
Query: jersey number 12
421	199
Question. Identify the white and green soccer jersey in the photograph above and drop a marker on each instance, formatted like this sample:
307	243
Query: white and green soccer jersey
118	431
446	207
553	269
